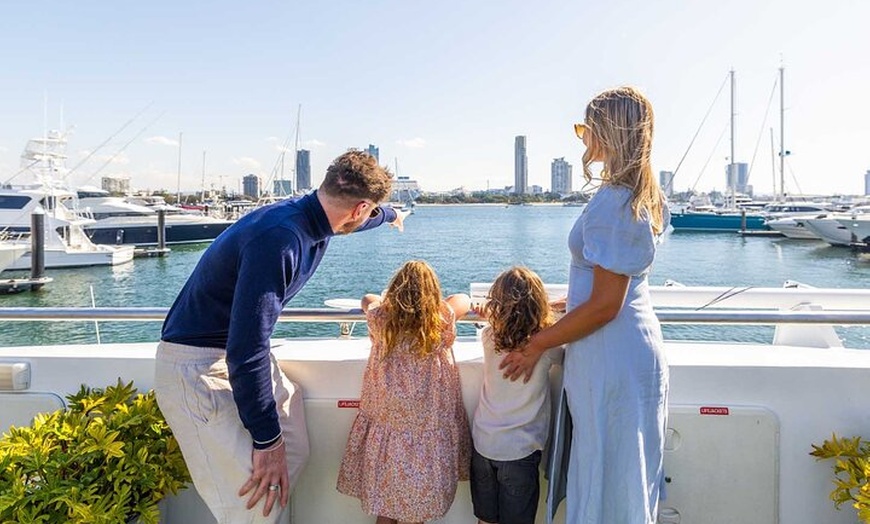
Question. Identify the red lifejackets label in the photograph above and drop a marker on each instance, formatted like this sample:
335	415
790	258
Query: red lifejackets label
349	403
714	410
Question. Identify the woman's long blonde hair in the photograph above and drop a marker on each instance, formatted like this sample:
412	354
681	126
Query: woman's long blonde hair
620	122
518	307
413	309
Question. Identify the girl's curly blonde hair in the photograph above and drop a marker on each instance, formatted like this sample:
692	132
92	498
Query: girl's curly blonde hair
518	307
413	309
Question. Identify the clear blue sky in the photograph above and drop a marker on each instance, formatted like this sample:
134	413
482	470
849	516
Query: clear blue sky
441	86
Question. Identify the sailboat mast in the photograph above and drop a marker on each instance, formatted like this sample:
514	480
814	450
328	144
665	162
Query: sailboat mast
732	176
773	164
782	152
296	150
202	199
178	183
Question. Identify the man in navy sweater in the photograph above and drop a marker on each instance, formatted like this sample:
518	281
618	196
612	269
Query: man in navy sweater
238	419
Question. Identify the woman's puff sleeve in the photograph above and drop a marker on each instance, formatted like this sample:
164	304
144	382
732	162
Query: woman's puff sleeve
612	238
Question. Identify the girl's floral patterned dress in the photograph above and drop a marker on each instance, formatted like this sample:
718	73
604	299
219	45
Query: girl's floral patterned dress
410	443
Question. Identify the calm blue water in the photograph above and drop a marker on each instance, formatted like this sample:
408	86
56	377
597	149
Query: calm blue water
464	244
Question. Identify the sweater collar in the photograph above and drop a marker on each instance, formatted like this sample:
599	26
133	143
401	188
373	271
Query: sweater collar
319	222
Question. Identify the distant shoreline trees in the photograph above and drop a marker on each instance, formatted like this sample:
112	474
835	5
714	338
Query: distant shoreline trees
484	197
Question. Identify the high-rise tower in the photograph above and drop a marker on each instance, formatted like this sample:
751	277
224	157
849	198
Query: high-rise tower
303	170
560	176
521	166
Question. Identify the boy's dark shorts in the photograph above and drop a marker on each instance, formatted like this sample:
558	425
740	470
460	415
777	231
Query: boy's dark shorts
505	491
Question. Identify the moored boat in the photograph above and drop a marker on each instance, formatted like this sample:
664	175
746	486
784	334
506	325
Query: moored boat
831	230
728	221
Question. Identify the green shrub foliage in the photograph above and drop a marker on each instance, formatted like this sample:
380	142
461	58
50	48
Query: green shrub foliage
851	458
109	457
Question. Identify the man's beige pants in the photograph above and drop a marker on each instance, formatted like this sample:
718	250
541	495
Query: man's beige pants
194	394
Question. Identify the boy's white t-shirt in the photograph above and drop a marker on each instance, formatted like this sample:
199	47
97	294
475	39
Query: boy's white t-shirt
512	419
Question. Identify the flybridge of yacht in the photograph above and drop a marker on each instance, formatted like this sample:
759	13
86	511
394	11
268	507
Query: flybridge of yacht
742	416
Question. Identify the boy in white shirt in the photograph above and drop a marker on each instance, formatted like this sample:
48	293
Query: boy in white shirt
512	419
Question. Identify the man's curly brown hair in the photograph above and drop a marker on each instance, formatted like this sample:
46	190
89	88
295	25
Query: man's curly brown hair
518	307
356	175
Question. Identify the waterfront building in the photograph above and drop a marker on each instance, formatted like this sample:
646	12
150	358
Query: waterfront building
666	182
116	185
282	188
521	166
535	190
303	170
374	151
405	189
561	176
737	176
251	186
867	183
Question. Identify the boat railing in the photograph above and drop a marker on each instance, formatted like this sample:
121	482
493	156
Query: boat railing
802	315
333	315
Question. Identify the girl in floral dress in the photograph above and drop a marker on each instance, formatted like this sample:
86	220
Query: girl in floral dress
410	443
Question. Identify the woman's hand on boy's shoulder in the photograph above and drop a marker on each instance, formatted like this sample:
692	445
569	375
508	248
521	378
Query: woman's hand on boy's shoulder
521	363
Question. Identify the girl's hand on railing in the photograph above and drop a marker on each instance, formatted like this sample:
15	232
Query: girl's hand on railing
478	308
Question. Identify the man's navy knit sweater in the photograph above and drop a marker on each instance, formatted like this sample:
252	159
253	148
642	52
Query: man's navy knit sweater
239	287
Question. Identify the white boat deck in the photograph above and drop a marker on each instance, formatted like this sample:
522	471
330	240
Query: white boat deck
749	466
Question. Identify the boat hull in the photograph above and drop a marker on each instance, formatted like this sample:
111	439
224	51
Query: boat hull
717	223
794	228
858	227
10	253
145	233
59	258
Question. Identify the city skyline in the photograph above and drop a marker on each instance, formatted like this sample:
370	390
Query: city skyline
447	101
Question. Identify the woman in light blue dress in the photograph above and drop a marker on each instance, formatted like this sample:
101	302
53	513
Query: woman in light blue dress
616	375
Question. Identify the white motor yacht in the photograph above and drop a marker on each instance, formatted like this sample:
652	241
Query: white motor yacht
786	217
119	221
66	244
858	226
829	228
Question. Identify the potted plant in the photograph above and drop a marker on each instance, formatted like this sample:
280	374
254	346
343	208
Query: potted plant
851	472
109	457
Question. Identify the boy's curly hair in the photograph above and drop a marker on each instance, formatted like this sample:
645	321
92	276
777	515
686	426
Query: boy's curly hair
518	307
